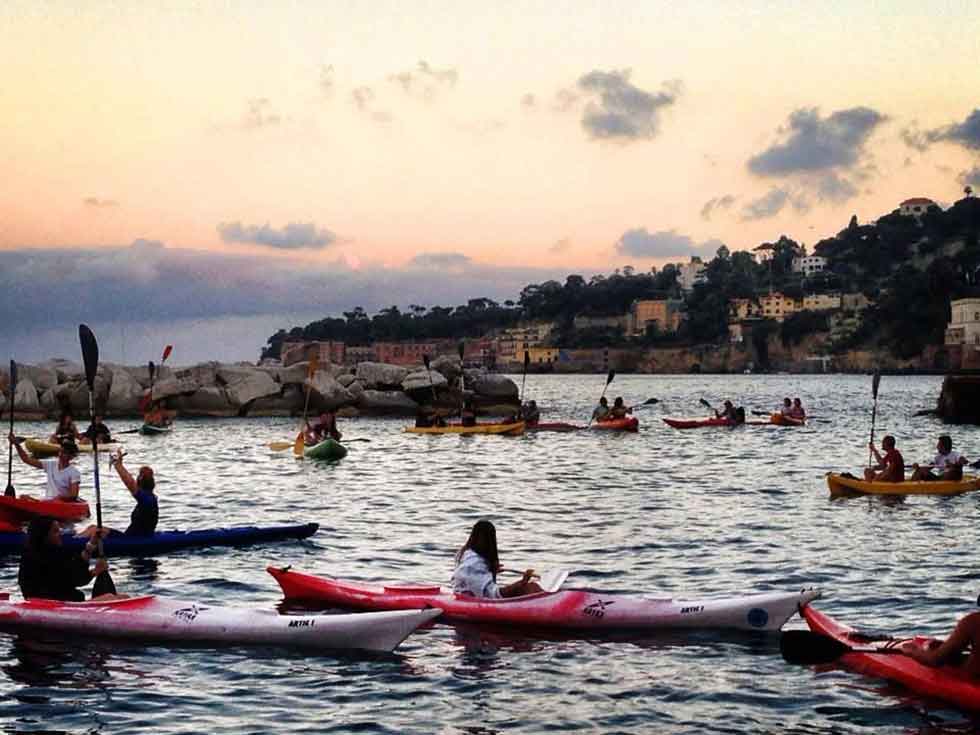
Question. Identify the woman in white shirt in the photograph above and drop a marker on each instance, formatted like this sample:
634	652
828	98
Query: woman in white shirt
477	565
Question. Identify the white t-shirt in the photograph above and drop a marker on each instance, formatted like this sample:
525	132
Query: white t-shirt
472	576
943	461
59	481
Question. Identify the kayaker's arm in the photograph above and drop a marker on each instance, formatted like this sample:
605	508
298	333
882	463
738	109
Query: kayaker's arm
959	640
24	456
124	474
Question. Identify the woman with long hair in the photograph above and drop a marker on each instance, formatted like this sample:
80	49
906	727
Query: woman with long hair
50	571
477	565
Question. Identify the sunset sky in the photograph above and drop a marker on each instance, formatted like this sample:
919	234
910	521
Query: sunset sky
175	170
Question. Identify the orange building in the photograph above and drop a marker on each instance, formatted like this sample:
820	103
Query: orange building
293	352
666	313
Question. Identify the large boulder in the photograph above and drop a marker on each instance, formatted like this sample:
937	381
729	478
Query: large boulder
491	385
42	377
78	393
185	381
355	389
25	398
288	402
327	393
207	401
449	366
124	393
65	370
387	402
346	379
380	375
427	379
245	384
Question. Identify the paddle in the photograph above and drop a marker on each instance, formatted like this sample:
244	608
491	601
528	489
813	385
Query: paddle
10	492
707	405
132	431
527	361
462	378
807	647
90	356
283	445
647	402
300	440
428	371
609	379
875	380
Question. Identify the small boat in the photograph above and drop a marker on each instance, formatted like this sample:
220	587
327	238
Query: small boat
509	429
561	609
20	510
841	485
948	683
695	423
42	449
153	429
780	419
156	619
627	423
553	426
328	449
163	542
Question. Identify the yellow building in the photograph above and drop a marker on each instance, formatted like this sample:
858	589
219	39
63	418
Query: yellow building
542	355
666	313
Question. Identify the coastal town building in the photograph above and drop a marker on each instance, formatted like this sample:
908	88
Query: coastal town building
689	274
964	324
584	321
666	314
327	351
778	306
809	264
543	355
915	207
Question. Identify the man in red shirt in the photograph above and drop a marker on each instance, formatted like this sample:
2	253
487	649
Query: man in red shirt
891	465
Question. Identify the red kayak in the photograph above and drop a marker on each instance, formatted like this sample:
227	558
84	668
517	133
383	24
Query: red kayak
561	609
948	683
627	423
553	426
684	423
18	511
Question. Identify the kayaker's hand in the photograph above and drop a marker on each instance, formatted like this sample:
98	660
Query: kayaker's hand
528	575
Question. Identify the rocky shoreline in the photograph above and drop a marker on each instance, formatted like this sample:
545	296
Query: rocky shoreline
215	389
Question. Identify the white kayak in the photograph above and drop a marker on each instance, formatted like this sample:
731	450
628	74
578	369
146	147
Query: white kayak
154	618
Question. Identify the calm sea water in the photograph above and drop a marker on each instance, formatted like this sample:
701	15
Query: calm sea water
712	511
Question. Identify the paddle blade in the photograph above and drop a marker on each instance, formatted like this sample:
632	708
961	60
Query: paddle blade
609	378
875	381
298	445
13	383
807	647
650	401
425	361
551	581
280	446
166	353
704	403
90	354
152	368
103	585
462	350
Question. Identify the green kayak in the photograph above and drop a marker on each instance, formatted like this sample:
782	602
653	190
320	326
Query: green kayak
327	449
149	429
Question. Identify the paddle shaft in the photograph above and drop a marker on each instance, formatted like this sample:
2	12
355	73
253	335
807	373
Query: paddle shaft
609	379
10	492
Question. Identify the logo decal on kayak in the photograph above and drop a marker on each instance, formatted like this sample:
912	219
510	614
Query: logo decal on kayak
597	609
301	623
758	617
692	609
187	614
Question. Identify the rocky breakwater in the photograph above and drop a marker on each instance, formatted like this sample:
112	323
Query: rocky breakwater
241	389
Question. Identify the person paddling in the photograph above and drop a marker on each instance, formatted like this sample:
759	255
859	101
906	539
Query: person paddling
49	571
965	636
143	520
65	429
467	416
158	416
325	426
619	409
477	565
63	477
797	411
787	408
601	412
727	412
531	413
891	465
96	430
948	463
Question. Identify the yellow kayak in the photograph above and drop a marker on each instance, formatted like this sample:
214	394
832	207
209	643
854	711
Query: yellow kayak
840	485
48	449
515	428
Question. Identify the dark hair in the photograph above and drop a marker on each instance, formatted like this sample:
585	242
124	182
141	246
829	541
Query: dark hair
483	540
888	440
618	401
947	442
787	400
37	532
69	447
603	400
145	482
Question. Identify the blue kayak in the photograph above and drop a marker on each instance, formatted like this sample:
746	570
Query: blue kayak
164	541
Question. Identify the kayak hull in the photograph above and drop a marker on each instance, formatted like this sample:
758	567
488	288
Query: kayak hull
151	430
181	621
166	541
629	423
782	420
328	449
509	429
695	423
20	510
840	486
947	683
564	609
42	449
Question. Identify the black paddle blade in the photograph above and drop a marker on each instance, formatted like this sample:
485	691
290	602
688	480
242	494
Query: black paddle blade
425	361
90	354
704	403
152	368
807	647
103	585
461	348
874	384
609	378
650	401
